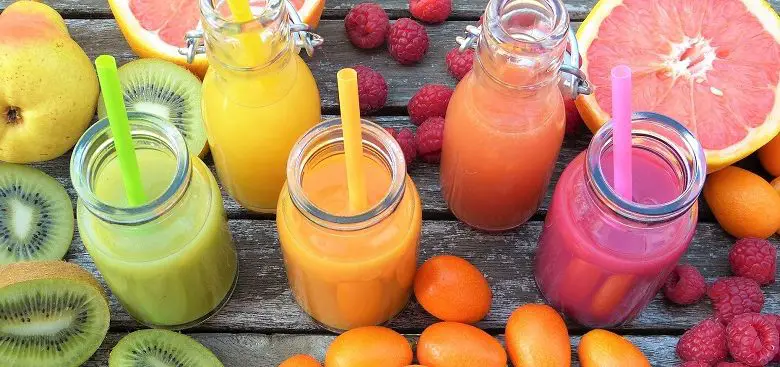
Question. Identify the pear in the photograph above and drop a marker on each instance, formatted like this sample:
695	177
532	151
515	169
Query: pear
48	86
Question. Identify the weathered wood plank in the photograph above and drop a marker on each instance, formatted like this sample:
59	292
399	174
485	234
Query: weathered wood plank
259	350
262	301
334	9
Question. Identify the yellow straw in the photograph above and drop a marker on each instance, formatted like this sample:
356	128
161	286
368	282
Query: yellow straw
353	139
253	52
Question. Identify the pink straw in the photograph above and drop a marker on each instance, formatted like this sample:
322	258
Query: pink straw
621	130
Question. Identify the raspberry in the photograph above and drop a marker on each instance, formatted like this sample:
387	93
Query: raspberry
430	101
372	89
685	285
573	118
429	139
730	364
459	63
367	25
732	296
775	320
407	41
430	11
392	132
695	364
752	339
754	258
705	342
408	144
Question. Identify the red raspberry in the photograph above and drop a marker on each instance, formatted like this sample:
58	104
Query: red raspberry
685	285
407	41
431	11
754	258
459	63
408	144
392	132
775	320
705	342
752	339
573	118
730	364
430	101
732	296
429	139
367	25
695	364
372	89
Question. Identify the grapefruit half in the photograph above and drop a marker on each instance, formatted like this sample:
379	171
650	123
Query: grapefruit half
713	65
156	28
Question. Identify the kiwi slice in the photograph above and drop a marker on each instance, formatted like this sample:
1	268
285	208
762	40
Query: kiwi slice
52	313
167	90
161	348
36	215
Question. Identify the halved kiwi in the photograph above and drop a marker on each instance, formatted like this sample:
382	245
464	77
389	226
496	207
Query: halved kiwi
167	90
161	348
52	313
36	215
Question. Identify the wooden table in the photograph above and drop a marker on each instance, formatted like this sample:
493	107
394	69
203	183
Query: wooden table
262	325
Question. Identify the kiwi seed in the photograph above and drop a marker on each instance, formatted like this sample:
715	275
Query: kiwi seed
52	314
161	348
36	215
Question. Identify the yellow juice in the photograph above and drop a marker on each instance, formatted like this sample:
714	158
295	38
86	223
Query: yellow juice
175	270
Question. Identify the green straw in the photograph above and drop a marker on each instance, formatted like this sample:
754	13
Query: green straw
120	128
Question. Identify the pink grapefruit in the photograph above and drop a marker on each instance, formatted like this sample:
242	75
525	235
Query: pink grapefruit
713	65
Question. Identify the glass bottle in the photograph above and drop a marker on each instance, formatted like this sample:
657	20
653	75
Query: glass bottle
258	96
347	269
601	259
506	119
170	262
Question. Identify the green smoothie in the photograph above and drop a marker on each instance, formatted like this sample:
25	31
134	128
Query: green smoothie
175	270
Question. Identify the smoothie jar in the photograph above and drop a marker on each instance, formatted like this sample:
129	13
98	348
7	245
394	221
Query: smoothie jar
505	121
171	262
601	259
259	96
349	269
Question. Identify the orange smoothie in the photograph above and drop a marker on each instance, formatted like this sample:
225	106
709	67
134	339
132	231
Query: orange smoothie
357	276
499	152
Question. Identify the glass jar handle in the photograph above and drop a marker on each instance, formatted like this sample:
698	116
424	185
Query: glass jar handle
301	33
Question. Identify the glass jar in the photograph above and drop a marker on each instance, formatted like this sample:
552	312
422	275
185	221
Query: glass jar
505	122
348	270
601	259
171	262
258	98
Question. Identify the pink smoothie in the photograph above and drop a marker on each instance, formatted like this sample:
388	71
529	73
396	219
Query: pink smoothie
601	269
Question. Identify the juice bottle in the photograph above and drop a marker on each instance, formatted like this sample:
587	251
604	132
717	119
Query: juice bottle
601	259
170	262
349	269
258	98
506	119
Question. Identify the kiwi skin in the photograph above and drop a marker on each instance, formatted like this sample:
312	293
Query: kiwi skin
167	344
26	277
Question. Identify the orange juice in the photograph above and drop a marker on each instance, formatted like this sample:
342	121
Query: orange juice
257	101
349	269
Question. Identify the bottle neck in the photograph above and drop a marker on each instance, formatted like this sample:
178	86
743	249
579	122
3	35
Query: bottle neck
96	149
522	43
326	140
671	144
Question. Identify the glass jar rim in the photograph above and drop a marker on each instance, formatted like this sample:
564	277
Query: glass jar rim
495	27
694	172
307	147
83	179
211	14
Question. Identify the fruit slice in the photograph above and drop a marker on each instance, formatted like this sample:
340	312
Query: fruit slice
52	313
156	28
36	215
689	62
164	89
161	348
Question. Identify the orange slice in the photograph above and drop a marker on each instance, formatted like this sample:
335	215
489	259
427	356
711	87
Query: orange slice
692	63
156	28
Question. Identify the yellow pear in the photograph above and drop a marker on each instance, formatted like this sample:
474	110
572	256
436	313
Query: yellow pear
48	86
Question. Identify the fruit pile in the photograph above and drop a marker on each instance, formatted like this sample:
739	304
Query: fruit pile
737	328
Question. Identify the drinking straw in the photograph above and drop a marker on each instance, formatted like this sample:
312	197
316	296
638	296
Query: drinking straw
621	133
254	52
353	139
120	128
